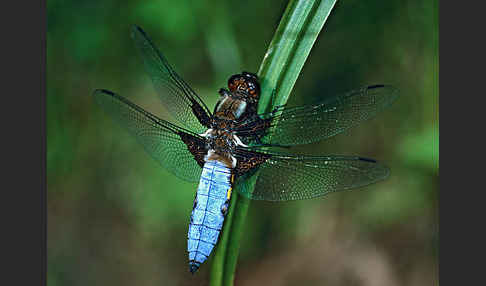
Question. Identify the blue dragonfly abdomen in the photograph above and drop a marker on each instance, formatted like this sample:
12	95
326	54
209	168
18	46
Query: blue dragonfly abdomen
209	211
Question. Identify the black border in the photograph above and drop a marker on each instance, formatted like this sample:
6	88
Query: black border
461	211
23	211
43	192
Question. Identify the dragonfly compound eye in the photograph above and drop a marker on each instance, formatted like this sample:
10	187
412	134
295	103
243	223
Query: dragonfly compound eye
253	84
245	83
234	82
250	75
253	89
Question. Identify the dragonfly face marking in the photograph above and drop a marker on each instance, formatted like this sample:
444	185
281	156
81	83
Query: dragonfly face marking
234	146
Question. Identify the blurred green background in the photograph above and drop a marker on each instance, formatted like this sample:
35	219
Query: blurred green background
115	217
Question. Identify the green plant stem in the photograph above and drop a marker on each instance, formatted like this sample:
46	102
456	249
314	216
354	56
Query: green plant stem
295	35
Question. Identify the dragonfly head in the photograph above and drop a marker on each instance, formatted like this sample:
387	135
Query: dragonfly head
246	84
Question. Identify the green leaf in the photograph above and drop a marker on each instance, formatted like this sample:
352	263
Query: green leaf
295	35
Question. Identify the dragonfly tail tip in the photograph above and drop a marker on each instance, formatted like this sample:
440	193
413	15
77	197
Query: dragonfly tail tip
193	267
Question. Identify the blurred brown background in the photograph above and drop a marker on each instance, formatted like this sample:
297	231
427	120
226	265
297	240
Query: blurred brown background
115	217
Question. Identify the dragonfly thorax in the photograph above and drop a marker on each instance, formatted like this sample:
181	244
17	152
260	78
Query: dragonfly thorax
221	145
221	141
229	107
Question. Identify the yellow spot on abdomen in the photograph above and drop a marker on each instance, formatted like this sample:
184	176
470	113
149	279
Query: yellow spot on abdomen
228	194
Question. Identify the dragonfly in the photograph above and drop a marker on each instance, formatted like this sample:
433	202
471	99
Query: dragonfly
217	149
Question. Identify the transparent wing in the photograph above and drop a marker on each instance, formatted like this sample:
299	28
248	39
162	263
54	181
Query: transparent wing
292	177
312	123
176	95
161	139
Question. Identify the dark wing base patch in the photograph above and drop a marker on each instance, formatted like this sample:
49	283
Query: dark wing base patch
196	146
248	161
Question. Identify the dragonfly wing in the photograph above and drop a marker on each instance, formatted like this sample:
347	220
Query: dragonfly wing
284	177
162	140
312	123
176	95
